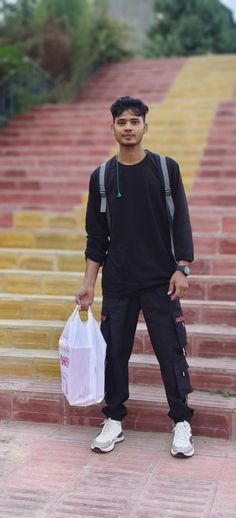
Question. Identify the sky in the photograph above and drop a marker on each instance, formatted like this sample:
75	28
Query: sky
231	4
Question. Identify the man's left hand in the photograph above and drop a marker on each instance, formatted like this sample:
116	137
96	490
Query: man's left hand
178	285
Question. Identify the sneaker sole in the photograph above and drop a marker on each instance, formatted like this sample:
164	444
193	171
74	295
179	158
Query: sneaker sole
181	455
96	449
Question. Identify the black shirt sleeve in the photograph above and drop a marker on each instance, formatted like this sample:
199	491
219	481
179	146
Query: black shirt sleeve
96	223
182	232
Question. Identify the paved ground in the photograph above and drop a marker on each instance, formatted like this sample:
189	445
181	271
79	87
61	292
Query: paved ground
48	471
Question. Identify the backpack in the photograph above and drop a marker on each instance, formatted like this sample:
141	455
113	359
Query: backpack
156	159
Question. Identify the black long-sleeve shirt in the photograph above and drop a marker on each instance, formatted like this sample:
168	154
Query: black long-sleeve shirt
137	254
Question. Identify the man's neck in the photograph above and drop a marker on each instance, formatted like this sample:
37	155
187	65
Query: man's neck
130	155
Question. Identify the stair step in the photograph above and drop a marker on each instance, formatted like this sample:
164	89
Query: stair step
204	287
39	259
38	238
205	242
48	220
51	307
212	198
203	340
212	287
217	374
39	199
41	400
43	186
213	185
74	261
42	282
206	264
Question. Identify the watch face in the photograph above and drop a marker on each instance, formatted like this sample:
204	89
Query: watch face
186	270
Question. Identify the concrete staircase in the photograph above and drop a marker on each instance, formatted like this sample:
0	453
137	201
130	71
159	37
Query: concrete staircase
46	157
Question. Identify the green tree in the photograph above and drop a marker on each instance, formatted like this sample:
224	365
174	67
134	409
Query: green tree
189	27
68	38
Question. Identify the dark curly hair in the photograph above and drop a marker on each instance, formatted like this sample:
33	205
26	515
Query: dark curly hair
129	103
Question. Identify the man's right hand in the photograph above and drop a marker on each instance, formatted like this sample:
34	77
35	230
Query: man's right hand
84	297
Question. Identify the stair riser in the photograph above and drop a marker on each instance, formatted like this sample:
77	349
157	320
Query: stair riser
194	314
42	262
209	380
199	344
204	244
74	263
14	188
36	199
22	219
41	310
56	284
49	240
200	380
51	310
212	289
52	408
214	266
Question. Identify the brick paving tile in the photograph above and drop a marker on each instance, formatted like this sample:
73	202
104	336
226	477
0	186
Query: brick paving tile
49	471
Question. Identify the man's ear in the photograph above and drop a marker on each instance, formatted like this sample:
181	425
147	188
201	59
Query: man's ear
112	129
145	127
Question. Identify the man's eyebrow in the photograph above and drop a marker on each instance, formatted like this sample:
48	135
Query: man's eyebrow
127	119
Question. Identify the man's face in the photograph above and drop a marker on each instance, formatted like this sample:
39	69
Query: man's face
129	129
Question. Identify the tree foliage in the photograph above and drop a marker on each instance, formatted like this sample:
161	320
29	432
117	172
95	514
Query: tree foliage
189	27
68	38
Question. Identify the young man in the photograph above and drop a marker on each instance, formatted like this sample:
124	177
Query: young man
139	273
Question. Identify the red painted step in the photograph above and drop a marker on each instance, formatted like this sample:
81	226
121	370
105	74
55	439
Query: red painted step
206	341
214	243
115	80
47	186
209	312
42	401
206	264
211	374
213	198
207	287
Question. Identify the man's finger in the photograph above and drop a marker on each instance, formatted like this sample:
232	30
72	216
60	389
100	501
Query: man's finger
171	288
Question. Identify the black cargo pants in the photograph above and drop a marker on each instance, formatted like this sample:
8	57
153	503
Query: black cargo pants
165	324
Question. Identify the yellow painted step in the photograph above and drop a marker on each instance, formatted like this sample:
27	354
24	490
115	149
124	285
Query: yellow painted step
29	363
41	307
47	283
44	260
30	333
33	334
64	239
26	219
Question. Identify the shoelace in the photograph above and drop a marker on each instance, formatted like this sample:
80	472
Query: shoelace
182	432
106	428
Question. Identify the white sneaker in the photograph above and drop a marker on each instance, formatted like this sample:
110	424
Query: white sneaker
183	441
108	437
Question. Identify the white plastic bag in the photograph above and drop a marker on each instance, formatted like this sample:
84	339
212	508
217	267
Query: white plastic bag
82	350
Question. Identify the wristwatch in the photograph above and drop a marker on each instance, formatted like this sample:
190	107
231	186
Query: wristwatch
184	269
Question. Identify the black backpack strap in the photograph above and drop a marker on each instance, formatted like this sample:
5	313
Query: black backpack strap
104	207
102	190
160	159
169	201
